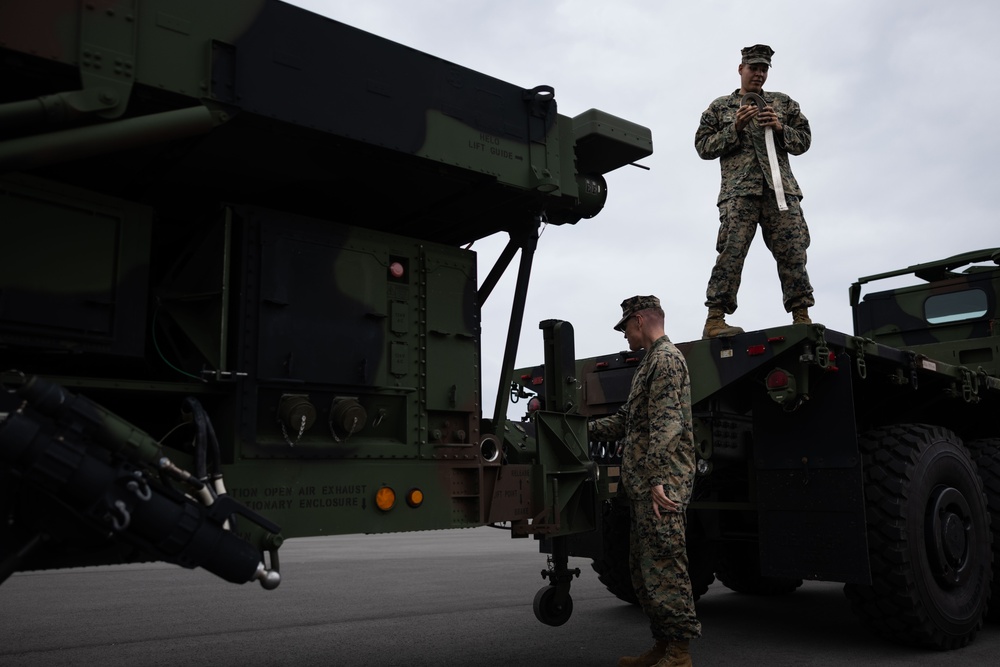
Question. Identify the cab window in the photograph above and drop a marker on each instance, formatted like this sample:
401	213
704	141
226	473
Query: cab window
955	306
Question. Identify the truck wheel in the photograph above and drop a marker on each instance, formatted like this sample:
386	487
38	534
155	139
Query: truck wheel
612	567
739	570
986	455
701	555
928	538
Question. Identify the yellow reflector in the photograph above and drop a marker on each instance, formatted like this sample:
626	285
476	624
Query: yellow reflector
385	498
415	498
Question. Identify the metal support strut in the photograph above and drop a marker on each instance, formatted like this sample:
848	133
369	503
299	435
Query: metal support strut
528	242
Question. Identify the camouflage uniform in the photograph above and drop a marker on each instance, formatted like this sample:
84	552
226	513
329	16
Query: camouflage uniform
656	426
747	198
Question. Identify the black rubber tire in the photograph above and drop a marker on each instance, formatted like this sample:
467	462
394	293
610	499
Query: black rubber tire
701	556
700	584
986	456
739	570
928	538
546	609
612	567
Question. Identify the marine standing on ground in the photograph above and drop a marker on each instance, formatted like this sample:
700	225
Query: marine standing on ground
657	475
735	133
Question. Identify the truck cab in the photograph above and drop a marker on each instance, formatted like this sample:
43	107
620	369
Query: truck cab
952	316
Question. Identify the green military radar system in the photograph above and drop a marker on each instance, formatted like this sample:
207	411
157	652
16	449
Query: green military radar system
237	303
871	459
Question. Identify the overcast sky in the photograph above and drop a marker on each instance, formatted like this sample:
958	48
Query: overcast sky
905	112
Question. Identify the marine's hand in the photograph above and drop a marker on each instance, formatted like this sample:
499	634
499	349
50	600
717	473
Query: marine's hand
661	502
744	115
768	118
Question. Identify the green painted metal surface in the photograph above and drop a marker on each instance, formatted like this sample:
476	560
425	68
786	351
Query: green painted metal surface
242	229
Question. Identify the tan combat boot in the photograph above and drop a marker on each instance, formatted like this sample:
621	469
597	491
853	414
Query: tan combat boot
651	657
677	655
800	316
716	325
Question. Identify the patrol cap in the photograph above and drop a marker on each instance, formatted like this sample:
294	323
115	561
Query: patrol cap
633	305
757	54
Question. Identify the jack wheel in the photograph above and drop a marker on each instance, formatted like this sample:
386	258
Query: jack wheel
546	609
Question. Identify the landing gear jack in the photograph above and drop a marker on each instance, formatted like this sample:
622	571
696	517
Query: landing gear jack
553	604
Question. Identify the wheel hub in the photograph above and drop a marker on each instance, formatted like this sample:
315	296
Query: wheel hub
948	535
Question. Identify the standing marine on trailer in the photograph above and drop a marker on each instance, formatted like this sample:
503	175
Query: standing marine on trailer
753	132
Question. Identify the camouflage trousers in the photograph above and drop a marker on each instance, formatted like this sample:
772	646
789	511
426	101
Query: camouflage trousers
659	565
785	235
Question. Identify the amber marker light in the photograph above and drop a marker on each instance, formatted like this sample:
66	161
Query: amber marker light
415	498
385	498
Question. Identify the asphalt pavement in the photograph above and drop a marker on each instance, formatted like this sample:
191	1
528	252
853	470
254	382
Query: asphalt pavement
439	598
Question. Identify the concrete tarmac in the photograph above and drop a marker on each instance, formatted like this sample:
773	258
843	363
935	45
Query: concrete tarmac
438	598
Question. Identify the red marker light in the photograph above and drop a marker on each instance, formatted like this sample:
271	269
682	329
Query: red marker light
534	404
756	350
396	270
781	387
777	379
832	366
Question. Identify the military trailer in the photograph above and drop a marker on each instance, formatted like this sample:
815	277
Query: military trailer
871	459
238	302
